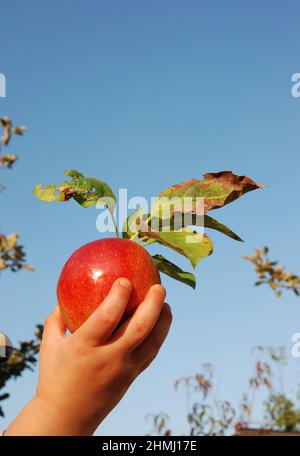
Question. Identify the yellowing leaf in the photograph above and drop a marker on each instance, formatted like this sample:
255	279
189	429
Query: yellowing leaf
217	190
86	191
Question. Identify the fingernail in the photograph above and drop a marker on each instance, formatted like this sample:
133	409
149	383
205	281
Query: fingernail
159	288
124	283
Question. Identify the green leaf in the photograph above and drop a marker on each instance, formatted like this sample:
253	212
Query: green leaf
170	269
195	220
86	191
212	223
217	189
194	246
180	220
73	173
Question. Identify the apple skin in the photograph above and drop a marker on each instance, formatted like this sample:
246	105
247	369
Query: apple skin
91	270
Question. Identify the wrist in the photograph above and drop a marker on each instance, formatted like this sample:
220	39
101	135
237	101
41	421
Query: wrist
41	418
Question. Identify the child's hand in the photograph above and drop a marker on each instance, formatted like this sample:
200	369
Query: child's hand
83	376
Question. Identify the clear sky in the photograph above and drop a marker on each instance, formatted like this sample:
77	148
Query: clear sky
144	94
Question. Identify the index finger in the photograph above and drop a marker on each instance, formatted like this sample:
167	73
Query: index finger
133	332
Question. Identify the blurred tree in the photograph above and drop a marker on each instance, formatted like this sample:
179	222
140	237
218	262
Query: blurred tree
22	358
282	413
270	273
13	257
208	416
7	160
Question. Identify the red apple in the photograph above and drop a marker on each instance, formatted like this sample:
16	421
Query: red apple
89	273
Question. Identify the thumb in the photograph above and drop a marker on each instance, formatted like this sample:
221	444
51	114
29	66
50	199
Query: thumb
55	327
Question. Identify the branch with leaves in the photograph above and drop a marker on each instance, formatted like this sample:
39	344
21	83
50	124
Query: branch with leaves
270	273
282	413
205	416
208	416
214	191
7	160
12	255
13	258
24	357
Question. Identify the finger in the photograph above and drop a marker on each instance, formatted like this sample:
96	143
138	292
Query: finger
102	322
132	333
55	327
147	351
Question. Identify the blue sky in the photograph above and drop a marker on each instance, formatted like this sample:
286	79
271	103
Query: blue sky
143	95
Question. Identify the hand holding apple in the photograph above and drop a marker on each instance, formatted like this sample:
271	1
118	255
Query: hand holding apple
82	377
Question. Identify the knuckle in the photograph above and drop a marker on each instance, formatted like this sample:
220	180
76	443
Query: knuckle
105	318
159	292
123	292
141	326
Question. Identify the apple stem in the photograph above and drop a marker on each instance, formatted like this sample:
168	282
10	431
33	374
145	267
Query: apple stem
134	236
137	232
114	223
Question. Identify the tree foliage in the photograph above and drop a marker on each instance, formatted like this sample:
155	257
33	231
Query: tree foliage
270	273
13	258
209	416
12	254
8	131
23	357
